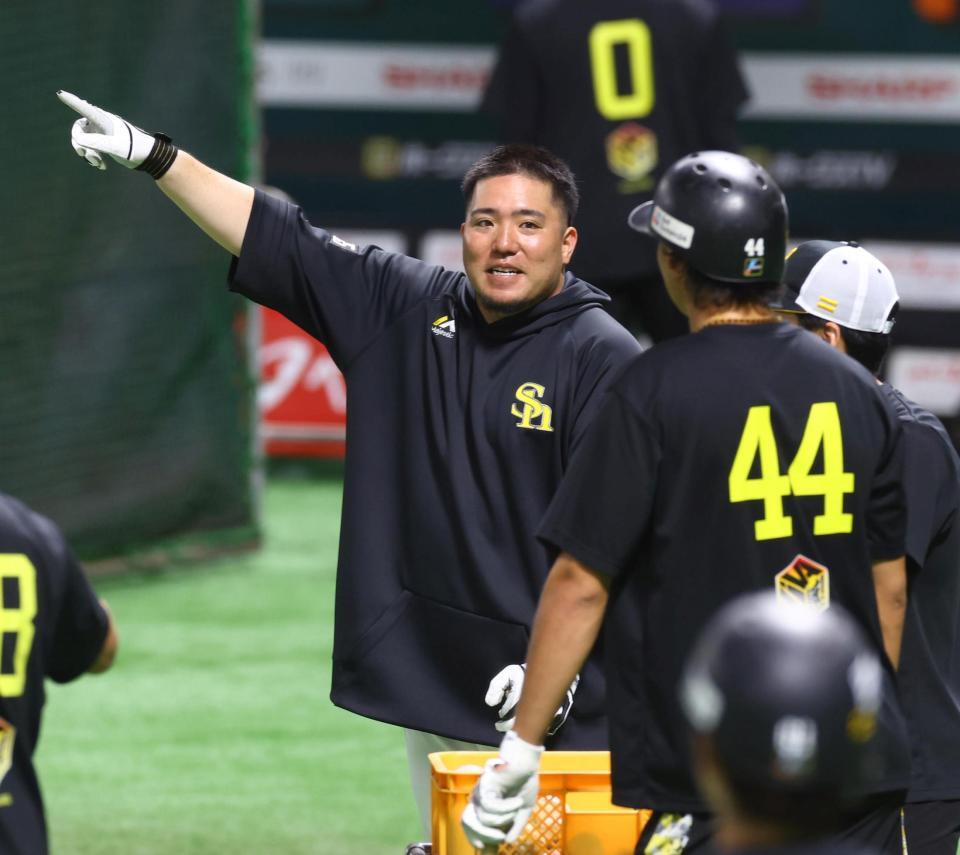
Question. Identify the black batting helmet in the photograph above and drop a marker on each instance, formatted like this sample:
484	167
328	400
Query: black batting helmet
723	213
788	694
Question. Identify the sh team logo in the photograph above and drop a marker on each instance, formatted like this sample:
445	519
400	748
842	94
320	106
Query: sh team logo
532	412
804	581
444	326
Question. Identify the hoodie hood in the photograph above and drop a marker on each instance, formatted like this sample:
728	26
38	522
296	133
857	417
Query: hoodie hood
575	297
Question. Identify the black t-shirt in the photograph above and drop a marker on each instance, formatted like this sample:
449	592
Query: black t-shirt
739	458
929	672
620	89
52	626
820	847
458	432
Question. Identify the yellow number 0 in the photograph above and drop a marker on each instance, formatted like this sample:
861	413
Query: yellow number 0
771	487
18	619
604	37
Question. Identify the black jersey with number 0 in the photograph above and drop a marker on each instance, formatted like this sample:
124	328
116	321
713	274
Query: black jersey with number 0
738	458
51	625
929	670
620	89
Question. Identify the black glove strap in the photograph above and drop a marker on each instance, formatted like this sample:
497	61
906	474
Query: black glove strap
161	157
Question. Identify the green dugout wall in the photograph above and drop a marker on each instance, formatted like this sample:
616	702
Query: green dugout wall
125	385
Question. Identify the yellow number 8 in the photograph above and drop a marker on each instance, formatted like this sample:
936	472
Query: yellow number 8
635	35
17	619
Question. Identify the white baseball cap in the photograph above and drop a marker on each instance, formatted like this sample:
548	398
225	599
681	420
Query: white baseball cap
839	281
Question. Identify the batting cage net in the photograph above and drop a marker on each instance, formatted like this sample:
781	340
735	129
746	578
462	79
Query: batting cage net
125	387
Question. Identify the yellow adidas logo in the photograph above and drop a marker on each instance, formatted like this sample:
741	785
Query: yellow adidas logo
445	326
827	304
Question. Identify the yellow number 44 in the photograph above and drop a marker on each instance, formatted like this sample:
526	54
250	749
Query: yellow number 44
757	441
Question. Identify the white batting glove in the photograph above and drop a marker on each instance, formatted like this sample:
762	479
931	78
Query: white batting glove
505	794
99	133
505	689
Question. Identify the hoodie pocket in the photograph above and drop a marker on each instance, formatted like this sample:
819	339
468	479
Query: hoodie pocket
427	665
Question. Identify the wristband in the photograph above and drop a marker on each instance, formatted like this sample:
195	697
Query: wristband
161	157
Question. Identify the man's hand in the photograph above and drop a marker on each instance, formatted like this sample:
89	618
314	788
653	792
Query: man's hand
99	133
505	794
505	689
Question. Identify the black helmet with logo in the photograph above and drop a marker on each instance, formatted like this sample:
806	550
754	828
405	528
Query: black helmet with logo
788	694
723	213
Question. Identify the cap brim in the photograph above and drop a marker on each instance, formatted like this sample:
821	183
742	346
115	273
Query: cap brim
786	300
639	219
800	261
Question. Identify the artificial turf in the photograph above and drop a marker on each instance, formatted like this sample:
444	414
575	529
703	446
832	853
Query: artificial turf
213	732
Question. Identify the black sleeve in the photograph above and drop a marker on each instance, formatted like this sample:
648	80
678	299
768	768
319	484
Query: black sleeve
928	462
512	97
886	513
600	511
600	365
721	90
80	623
333	290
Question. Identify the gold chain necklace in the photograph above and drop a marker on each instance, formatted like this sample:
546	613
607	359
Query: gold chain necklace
738	321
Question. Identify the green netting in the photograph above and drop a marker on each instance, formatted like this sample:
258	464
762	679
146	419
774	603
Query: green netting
123	378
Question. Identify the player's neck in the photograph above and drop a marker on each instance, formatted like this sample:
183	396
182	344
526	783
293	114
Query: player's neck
712	317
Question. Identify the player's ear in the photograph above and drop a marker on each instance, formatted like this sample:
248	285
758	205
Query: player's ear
833	335
670	259
568	244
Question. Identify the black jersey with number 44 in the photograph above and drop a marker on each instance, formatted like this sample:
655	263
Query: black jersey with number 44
51	625
735	459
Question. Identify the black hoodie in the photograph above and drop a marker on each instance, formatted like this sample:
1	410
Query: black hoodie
458	432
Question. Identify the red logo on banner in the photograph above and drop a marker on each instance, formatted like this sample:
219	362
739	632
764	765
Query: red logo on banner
302	396
831	87
417	77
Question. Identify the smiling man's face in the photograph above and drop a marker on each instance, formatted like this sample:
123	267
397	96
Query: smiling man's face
516	242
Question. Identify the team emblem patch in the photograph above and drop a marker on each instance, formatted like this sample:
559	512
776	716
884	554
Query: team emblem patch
632	153
804	581
8	735
753	267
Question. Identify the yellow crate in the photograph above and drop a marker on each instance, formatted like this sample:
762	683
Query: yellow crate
574	814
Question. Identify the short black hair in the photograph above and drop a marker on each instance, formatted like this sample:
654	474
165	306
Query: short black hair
532	160
870	349
709	293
